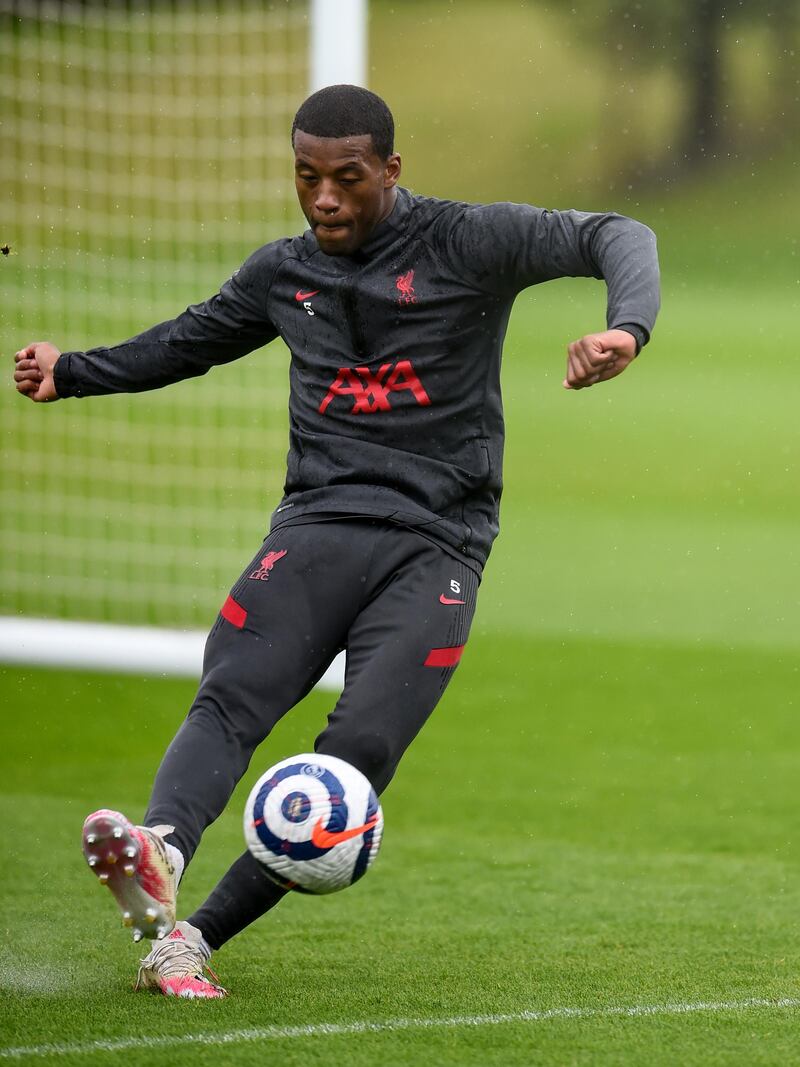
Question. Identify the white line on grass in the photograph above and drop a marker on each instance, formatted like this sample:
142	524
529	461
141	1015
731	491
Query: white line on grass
276	1033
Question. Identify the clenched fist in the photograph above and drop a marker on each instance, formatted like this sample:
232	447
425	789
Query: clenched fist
33	372
598	357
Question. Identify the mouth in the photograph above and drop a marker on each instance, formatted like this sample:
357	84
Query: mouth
330	229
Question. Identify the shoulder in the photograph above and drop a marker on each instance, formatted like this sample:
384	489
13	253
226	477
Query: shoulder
443	221
429	214
260	267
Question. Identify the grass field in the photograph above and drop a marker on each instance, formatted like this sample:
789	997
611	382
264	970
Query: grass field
585	824
600	816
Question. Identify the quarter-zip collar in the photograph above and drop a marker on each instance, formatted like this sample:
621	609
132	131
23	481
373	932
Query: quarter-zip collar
386	231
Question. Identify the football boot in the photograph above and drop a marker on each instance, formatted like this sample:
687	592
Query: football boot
176	964
134	862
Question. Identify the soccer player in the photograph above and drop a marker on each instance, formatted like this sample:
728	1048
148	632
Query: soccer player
394	308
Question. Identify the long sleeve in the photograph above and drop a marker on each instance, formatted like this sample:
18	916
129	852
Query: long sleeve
507	247
230	324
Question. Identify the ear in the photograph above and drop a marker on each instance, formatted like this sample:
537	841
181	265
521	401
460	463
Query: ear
391	171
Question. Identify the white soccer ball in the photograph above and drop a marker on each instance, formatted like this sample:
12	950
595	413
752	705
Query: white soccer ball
314	822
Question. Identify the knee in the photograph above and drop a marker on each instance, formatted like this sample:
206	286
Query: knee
370	752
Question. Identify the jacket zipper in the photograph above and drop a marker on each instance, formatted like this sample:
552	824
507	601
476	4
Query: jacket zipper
351	314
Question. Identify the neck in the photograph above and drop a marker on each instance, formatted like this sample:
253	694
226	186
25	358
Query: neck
389	203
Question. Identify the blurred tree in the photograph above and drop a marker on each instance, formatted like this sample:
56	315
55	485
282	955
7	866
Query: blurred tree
561	103
703	128
696	38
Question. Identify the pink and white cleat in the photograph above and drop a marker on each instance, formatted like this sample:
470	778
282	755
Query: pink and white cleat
134	862
175	967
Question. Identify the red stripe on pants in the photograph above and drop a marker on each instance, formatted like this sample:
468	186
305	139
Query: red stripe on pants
444	657
234	613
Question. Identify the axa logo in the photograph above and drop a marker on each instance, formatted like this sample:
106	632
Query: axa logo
370	390
405	287
261	573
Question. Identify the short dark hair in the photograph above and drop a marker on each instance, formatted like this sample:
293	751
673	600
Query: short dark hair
347	111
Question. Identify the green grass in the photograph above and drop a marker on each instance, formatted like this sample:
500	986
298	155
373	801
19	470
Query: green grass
584	823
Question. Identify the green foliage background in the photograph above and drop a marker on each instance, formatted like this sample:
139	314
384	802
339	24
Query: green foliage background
579	102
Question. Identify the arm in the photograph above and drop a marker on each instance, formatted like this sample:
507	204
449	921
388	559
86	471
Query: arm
229	325
508	247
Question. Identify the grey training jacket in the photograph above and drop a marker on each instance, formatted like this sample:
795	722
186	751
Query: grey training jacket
395	408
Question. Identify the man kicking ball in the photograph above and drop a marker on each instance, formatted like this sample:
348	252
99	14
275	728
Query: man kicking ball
394	308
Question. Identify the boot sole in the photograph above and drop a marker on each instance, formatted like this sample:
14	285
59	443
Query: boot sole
113	852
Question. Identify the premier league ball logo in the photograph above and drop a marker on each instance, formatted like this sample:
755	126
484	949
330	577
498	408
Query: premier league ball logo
314	822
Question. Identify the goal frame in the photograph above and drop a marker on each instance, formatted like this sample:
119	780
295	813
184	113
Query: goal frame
337	53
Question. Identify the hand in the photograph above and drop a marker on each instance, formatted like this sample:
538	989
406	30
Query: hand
33	372
598	357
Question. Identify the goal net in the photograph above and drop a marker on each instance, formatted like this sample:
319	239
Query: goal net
144	153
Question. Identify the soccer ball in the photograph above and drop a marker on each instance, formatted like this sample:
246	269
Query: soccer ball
314	822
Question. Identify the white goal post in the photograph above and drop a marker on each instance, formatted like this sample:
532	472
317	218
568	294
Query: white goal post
146	152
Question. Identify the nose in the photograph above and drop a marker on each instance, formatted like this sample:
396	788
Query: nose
326	201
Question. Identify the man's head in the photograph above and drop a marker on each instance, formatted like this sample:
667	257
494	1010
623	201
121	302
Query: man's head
345	167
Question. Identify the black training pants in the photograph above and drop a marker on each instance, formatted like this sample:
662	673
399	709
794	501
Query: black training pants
398	603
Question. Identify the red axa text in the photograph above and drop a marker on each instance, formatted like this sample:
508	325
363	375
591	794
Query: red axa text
370	389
